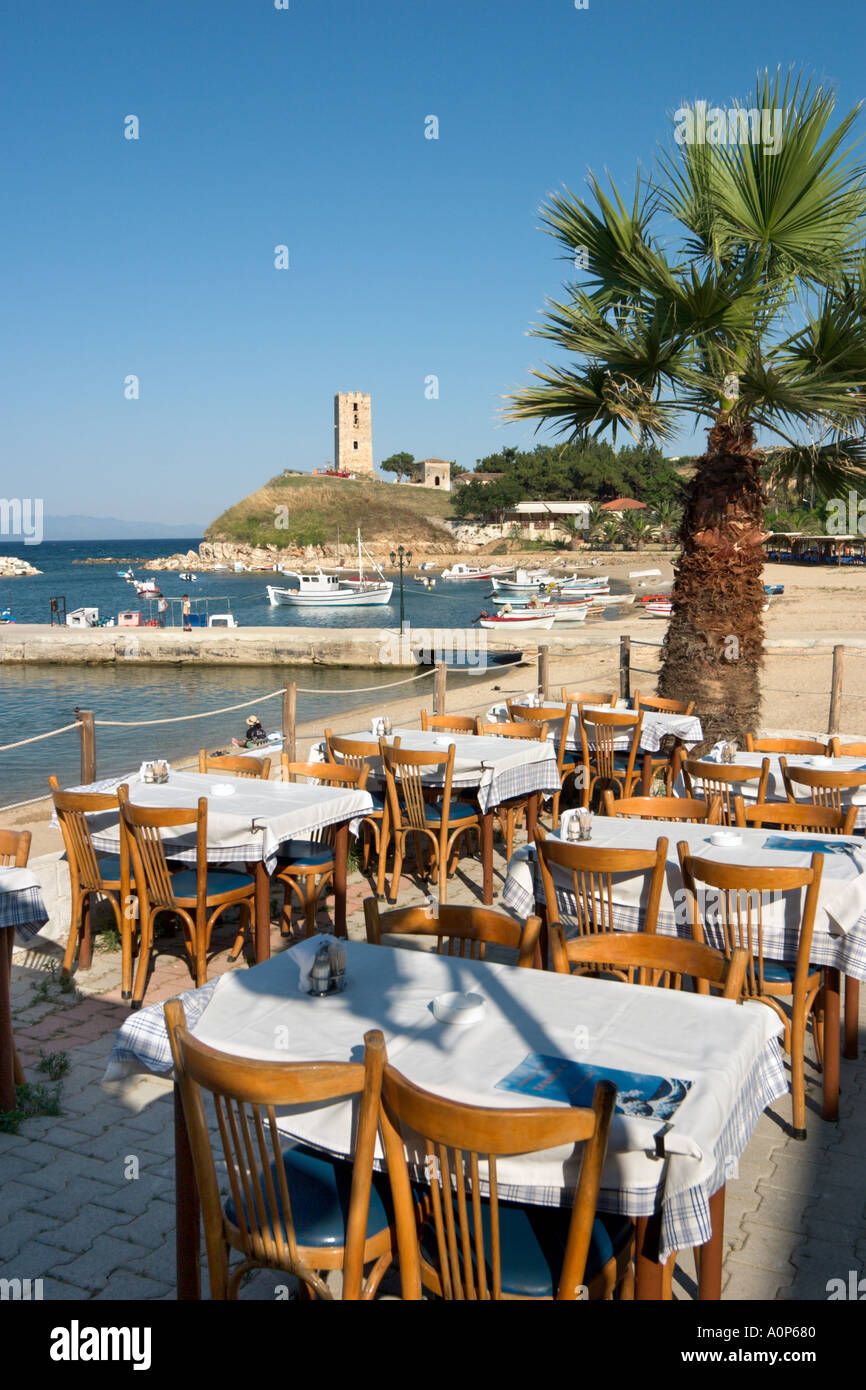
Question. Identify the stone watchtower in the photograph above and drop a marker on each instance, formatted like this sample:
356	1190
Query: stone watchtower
353	433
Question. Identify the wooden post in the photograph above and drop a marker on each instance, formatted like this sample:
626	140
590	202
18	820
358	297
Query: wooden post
290	709
439	688
836	691
625	668
87	730
543	672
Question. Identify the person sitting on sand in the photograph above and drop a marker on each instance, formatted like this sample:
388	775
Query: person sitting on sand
255	735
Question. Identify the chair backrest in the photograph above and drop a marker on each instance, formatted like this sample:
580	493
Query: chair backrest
451	723
795	815
143	824
604	728
246	1095
459	930
838	749
235	765
15	848
581	876
683	808
545	714
456	1147
407	768
705	780
585	697
662	705
352	751
325	774
662	961
536	732
826	788
727	903
72	810
805	746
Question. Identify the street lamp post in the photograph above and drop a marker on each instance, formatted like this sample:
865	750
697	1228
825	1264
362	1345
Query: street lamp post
401	558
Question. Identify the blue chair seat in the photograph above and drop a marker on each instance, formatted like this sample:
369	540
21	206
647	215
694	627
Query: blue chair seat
533	1241
307	854
319	1190
378	803
184	883
776	972
109	867
458	810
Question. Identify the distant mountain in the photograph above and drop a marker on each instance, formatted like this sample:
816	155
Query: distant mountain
109	528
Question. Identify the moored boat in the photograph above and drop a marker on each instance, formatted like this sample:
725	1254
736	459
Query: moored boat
658	610
519	622
323	590
463	571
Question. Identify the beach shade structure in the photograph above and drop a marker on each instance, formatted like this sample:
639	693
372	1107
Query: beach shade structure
420	806
516	808
459	930
290	1209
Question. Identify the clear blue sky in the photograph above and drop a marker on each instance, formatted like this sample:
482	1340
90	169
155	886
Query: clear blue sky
305	126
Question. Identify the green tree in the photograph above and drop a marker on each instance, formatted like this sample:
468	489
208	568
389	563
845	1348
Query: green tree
636	529
668	516
401	464
610	531
731	288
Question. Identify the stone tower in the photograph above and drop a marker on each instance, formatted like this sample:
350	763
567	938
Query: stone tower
353	442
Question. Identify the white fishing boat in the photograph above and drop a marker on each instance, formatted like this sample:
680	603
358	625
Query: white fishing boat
524	582
517	622
125	574
462	571
188	577
147	588
611	600
322	590
571	612
657	610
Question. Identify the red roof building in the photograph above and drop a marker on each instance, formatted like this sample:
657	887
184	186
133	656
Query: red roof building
623	504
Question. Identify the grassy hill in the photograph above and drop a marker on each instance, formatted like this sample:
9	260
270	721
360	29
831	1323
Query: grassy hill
311	509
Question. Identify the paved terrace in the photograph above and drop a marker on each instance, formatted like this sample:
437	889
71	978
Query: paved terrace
74	1216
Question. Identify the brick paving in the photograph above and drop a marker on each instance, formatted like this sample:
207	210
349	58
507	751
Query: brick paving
88	1195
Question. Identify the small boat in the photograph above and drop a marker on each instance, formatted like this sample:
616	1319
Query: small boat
663	597
322	590
658	610
187	577
220	567
571	612
518	622
6	616
462	571
524	582
427	565
612	600
125	574
147	588
774	589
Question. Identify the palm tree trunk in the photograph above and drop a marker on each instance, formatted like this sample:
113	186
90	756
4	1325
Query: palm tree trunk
713	650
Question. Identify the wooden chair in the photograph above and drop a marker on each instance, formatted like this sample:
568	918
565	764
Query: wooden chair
664	808
461	931
602	763
451	723
306	867
706	780
661	961
787	815
469	1244
837	749
91	875
439	824
660	705
567	762
825	787
516	808
291	1209
584	697
732	917
804	746
649	704
586	874
15	847
233	765
197	897
376	825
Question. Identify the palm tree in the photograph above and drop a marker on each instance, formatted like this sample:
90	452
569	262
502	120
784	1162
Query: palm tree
636	529
610	531
668	516
732	288
595	521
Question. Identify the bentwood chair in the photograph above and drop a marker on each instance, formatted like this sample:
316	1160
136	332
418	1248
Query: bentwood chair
197	896
661	961
659	705
787	815
15	847
449	723
234	765
306	868
578	883
705	780
605	766
457	1238
376	825
656	704
567	763
824	787
732	916
436	824
807	747
584	697
461	931
91	874
838	749
291	1208
510	811
667	808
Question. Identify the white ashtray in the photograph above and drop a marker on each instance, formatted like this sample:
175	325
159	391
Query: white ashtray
460	1009
443	742
222	789
726	839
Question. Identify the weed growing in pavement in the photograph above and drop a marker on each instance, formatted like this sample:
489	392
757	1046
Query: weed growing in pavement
56	1064
30	1100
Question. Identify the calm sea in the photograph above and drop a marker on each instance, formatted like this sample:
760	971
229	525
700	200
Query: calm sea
34	699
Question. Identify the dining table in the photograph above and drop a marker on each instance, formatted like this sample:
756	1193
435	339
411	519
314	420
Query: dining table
247	821
22	914
496	769
839	934
693	1073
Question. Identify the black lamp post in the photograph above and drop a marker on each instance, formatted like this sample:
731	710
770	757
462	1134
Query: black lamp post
401	558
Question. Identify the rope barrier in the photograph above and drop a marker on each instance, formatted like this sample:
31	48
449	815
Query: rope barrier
36	737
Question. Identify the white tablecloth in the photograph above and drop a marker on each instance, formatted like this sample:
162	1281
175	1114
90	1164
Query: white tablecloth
776	786
838	940
249	824
656	726
729	1053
